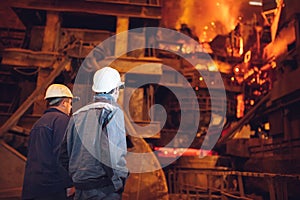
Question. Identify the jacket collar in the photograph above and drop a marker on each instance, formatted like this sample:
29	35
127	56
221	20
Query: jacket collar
52	109
103	97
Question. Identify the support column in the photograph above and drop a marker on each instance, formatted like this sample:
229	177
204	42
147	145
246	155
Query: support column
51	32
121	40
121	44
50	43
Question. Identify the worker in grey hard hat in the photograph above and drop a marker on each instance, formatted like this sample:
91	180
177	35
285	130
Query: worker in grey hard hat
102	122
44	177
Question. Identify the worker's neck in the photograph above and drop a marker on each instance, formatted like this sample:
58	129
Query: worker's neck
60	108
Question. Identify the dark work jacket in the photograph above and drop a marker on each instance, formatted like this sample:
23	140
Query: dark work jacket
43	173
94	146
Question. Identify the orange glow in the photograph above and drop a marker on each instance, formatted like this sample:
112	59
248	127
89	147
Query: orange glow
257	93
174	152
236	69
241	51
267	126
249	73
247	57
255	3
201	67
203	15
240	106
273	64
212	67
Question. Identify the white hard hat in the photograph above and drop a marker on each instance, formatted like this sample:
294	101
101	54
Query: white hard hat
106	79
58	90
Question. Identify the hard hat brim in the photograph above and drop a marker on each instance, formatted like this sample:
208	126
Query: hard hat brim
121	85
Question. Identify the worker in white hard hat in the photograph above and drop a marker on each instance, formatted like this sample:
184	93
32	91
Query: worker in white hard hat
96	161
57	94
107	81
44	177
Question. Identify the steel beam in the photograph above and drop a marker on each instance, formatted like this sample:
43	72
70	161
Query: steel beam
27	58
101	8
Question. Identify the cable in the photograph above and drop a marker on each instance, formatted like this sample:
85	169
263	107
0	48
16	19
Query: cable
26	73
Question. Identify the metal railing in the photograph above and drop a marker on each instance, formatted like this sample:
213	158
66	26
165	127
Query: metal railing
187	183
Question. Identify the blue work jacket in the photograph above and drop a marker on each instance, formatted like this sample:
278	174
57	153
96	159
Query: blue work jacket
44	175
94	147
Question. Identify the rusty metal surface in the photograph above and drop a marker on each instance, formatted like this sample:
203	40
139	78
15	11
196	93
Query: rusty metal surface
127	64
27	58
148	185
12	165
248	116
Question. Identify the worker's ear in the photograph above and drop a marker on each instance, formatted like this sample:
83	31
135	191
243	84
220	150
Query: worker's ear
64	102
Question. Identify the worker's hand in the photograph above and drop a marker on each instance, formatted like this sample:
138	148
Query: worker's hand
70	191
